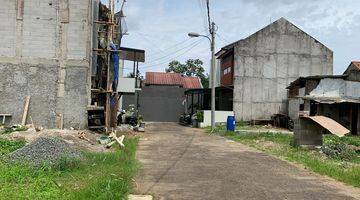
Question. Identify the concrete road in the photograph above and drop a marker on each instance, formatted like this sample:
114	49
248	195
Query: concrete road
185	163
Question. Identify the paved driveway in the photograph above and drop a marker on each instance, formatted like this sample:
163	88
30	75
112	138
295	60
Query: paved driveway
185	163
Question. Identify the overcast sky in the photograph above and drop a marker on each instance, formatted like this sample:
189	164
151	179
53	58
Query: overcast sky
160	26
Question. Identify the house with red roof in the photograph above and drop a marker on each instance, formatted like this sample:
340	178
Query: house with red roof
162	95
172	79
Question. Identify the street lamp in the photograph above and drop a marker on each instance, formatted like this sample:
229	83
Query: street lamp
192	34
212	70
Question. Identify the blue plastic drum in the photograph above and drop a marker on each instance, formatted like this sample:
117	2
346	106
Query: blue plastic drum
230	123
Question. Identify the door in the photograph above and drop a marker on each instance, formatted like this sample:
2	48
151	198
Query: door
354	119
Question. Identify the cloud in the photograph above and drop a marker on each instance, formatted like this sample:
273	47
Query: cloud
157	25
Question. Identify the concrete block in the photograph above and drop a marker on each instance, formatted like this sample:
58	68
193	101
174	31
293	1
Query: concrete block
140	197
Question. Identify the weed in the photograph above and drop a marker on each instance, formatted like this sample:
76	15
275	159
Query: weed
97	176
341	165
7	146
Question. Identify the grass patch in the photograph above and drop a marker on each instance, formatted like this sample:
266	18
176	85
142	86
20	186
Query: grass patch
97	176
7	146
344	170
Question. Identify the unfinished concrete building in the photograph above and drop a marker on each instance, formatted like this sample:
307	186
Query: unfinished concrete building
45	53
260	67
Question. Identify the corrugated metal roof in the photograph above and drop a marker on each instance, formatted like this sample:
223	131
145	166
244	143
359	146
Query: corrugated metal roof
192	82
162	78
356	63
330	125
301	80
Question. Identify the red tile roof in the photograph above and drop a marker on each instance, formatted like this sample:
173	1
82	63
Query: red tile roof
162	78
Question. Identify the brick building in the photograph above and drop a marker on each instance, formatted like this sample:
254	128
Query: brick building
45	53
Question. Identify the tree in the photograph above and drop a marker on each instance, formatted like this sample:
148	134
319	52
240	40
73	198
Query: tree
192	67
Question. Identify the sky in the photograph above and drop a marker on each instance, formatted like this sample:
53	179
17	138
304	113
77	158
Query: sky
160	27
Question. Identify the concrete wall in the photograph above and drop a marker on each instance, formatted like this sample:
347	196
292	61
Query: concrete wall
268	61
293	108
45	53
308	133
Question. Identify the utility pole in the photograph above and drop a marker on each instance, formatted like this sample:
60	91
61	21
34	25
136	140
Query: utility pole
213	76
212	30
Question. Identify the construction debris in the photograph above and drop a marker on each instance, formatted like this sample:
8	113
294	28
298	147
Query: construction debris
14	128
118	140
25	112
331	125
45	151
82	135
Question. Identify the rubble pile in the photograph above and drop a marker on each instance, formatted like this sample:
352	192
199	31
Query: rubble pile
45	150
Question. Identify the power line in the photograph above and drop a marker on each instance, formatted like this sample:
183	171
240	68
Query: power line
208	15
177	56
203	13
222	38
170	54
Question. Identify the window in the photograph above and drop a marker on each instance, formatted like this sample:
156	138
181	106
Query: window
227	71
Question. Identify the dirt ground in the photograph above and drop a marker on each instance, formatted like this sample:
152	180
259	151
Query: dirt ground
186	163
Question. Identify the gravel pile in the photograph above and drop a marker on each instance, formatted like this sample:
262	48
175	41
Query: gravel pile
45	150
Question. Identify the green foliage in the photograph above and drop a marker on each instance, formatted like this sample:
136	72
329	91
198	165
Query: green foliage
350	140
200	116
9	130
339	151
344	168
7	146
97	176
192	67
340	148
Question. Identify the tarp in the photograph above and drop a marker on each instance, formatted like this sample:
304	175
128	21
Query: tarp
329	124
115	62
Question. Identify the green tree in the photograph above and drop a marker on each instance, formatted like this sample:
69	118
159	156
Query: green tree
192	67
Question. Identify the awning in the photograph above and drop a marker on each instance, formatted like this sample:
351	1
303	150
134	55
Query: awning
330	125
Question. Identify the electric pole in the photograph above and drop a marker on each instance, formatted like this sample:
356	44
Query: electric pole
213	76
212	30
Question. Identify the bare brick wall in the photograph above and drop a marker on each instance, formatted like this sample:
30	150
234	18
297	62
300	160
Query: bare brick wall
53	34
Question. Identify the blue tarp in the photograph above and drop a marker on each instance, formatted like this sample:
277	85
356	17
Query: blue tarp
115	62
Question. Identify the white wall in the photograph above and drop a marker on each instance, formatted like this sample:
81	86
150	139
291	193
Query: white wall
220	117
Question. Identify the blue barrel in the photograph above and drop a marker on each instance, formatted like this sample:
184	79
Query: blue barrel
230	123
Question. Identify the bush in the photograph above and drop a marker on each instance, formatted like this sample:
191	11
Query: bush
339	151
200	116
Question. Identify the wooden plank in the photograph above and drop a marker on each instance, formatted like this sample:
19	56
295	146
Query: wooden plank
26	109
331	125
